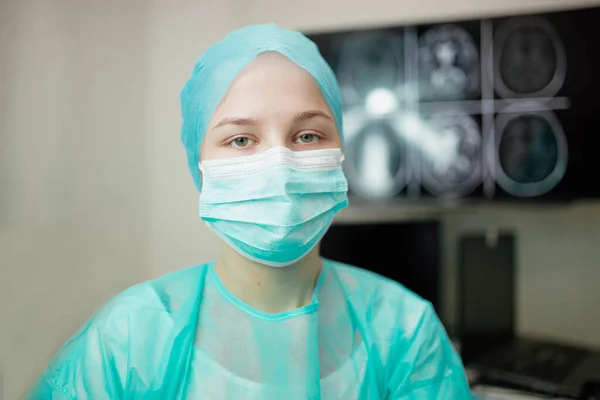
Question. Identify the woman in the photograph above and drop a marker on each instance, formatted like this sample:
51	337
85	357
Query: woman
262	128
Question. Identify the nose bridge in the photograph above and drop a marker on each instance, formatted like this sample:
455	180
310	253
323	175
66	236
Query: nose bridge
276	135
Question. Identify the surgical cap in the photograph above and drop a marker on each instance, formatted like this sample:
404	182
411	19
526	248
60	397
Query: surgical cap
222	62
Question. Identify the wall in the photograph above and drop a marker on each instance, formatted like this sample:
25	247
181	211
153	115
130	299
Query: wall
316	15
558	266
74	196
94	190
95	193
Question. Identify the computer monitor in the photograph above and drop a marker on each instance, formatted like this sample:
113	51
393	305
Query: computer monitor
486	287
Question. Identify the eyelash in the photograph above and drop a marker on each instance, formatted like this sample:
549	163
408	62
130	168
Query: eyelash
318	137
231	143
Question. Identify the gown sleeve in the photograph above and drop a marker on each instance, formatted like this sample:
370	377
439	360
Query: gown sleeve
425	365
137	346
90	365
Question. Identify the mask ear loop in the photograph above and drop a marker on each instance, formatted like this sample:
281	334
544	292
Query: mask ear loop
200	175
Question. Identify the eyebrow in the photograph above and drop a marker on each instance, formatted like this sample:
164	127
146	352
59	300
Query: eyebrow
303	116
306	115
237	121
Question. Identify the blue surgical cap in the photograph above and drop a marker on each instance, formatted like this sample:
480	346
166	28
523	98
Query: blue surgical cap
219	65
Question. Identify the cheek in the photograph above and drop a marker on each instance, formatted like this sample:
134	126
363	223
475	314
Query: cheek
210	148
204	152
335	140
338	141
210	151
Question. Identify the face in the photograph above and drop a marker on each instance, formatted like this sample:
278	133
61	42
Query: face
272	102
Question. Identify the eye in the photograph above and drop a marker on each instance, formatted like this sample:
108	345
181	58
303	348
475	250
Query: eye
307	138
241	142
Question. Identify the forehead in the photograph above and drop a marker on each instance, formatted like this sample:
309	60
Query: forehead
272	80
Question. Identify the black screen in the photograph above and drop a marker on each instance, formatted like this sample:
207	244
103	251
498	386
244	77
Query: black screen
408	253
486	293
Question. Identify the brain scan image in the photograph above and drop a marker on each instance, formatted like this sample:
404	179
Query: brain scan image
448	64
528	58
376	162
455	168
376	173
369	62
528	151
447	77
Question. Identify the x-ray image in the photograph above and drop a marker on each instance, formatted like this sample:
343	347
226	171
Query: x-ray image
376	163
454	168
530	58
531	153
492	109
528	149
369	62
448	64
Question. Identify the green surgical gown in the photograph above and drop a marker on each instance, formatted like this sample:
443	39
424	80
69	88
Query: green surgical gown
185	336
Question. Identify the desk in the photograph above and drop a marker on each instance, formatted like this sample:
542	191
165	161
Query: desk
485	392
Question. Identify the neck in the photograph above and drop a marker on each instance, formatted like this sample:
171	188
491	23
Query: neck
269	289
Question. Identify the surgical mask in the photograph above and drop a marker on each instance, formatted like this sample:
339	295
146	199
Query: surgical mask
275	206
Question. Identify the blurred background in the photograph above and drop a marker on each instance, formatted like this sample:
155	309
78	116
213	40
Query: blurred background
471	131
